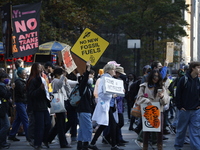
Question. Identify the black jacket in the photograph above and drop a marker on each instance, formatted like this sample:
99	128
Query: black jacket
36	96
86	103
5	95
188	93
20	91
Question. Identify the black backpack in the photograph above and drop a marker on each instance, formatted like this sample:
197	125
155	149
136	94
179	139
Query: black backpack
134	88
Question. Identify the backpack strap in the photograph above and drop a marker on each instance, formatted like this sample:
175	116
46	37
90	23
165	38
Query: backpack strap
185	81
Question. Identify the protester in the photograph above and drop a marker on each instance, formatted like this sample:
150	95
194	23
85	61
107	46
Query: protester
18	63
120	107
84	109
72	118
60	83
21	104
149	93
103	113
130	79
188	104
5	96
97	84
38	102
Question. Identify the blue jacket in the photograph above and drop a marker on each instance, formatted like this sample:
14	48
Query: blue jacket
188	93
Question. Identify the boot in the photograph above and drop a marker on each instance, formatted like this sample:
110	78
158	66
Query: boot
159	146
145	147
79	145
85	146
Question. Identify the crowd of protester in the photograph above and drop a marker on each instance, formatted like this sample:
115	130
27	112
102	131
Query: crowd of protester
25	102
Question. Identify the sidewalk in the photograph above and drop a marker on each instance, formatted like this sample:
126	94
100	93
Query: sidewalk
128	136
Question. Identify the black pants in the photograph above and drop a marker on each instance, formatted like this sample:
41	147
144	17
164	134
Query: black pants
113	130
59	129
72	120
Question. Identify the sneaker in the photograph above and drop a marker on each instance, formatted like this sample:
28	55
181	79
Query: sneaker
13	138
165	138
187	140
94	147
139	144
155	145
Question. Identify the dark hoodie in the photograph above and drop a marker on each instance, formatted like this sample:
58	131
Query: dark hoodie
188	93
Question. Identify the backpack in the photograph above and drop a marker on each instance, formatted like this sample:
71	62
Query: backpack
174	84
186	79
134	88
74	97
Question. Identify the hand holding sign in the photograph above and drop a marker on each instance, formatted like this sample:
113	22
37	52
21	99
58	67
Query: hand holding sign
88	65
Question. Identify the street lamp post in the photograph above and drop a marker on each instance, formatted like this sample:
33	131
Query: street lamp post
135	44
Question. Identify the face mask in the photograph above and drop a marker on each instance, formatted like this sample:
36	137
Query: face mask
10	75
90	81
6	81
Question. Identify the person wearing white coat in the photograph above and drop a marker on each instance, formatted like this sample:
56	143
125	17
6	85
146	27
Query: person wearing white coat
103	113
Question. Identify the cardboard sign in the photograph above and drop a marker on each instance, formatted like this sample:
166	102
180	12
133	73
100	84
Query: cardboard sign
170	52
113	86
67	60
151	117
90	46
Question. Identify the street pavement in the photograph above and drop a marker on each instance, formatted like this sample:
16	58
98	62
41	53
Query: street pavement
127	135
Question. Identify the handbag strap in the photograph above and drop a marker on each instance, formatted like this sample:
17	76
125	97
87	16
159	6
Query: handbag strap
58	91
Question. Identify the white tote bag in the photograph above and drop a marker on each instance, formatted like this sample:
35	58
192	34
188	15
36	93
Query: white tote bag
57	103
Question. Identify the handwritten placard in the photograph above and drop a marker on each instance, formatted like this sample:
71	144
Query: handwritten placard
114	86
68	60
151	117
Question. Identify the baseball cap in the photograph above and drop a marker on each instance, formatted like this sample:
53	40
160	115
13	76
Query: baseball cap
50	64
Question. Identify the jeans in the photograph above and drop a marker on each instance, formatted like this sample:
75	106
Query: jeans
21	117
189	118
42	126
4	127
85	127
31	127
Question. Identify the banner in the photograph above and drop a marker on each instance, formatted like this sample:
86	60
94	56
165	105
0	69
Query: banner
7	30
26	21
67	60
114	86
151	120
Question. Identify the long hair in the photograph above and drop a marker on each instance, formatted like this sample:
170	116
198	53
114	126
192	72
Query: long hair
34	72
157	85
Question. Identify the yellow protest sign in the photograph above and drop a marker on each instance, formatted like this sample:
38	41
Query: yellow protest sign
90	46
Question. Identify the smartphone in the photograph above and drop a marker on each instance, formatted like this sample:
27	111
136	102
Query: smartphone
160	90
